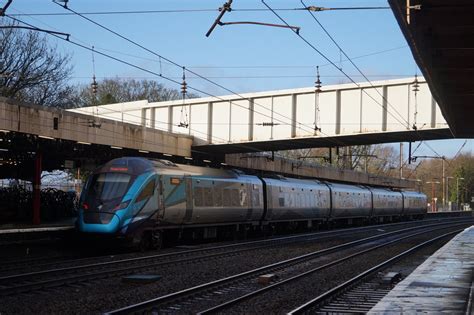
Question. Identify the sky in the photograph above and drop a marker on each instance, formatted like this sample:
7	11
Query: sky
241	58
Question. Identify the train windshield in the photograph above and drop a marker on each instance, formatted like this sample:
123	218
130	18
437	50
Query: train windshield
108	188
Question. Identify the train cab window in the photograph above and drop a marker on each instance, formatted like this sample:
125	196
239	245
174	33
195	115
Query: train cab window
147	192
108	186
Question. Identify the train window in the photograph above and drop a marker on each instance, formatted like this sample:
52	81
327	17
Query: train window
227	197
256	199
281	202
198	201
235	198
147	192
218	197
208	202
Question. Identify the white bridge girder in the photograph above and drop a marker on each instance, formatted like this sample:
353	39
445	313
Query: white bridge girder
339	110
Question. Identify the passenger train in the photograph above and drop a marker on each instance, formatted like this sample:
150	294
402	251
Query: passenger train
139	199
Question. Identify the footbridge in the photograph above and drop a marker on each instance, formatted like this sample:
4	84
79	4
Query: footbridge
390	111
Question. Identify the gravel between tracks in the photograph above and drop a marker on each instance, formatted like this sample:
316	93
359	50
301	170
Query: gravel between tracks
22	258
291	296
112	293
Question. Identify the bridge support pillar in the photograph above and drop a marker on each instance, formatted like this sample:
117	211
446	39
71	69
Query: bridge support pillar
37	189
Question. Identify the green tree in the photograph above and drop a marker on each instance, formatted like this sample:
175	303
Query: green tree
462	185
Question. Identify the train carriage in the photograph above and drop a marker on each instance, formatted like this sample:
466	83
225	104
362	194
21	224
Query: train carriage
414	204
296	200
138	199
350	201
386	203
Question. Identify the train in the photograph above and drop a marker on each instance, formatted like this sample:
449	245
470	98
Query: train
139	200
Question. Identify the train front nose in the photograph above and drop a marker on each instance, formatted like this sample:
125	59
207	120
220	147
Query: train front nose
99	222
102	203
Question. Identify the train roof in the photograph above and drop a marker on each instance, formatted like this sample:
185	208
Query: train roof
138	165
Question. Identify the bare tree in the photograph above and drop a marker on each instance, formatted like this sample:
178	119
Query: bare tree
118	90
376	159
31	69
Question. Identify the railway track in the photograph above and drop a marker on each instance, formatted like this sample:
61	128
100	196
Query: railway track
90	271
218	295
362	292
43	265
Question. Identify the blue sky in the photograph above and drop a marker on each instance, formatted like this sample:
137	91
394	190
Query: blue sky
243	58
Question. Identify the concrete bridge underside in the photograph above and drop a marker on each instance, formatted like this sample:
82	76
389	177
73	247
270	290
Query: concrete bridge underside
440	35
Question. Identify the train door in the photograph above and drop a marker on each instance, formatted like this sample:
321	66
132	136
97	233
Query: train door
159	196
188	195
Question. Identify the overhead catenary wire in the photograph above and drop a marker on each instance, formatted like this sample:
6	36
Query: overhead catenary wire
252	66
337	142
460	149
299	66
416	85
124	62
381	75
349	59
161	76
330	61
218	66
153	73
208	94
173	62
342	143
195	11
170	122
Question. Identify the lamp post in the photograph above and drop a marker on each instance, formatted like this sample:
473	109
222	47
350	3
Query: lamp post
443	160
433	198
447	189
457	190
419	182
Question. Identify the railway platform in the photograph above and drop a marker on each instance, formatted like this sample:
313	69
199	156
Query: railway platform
14	232
444	283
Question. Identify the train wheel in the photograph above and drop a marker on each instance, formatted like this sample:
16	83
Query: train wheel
145	241
156	239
